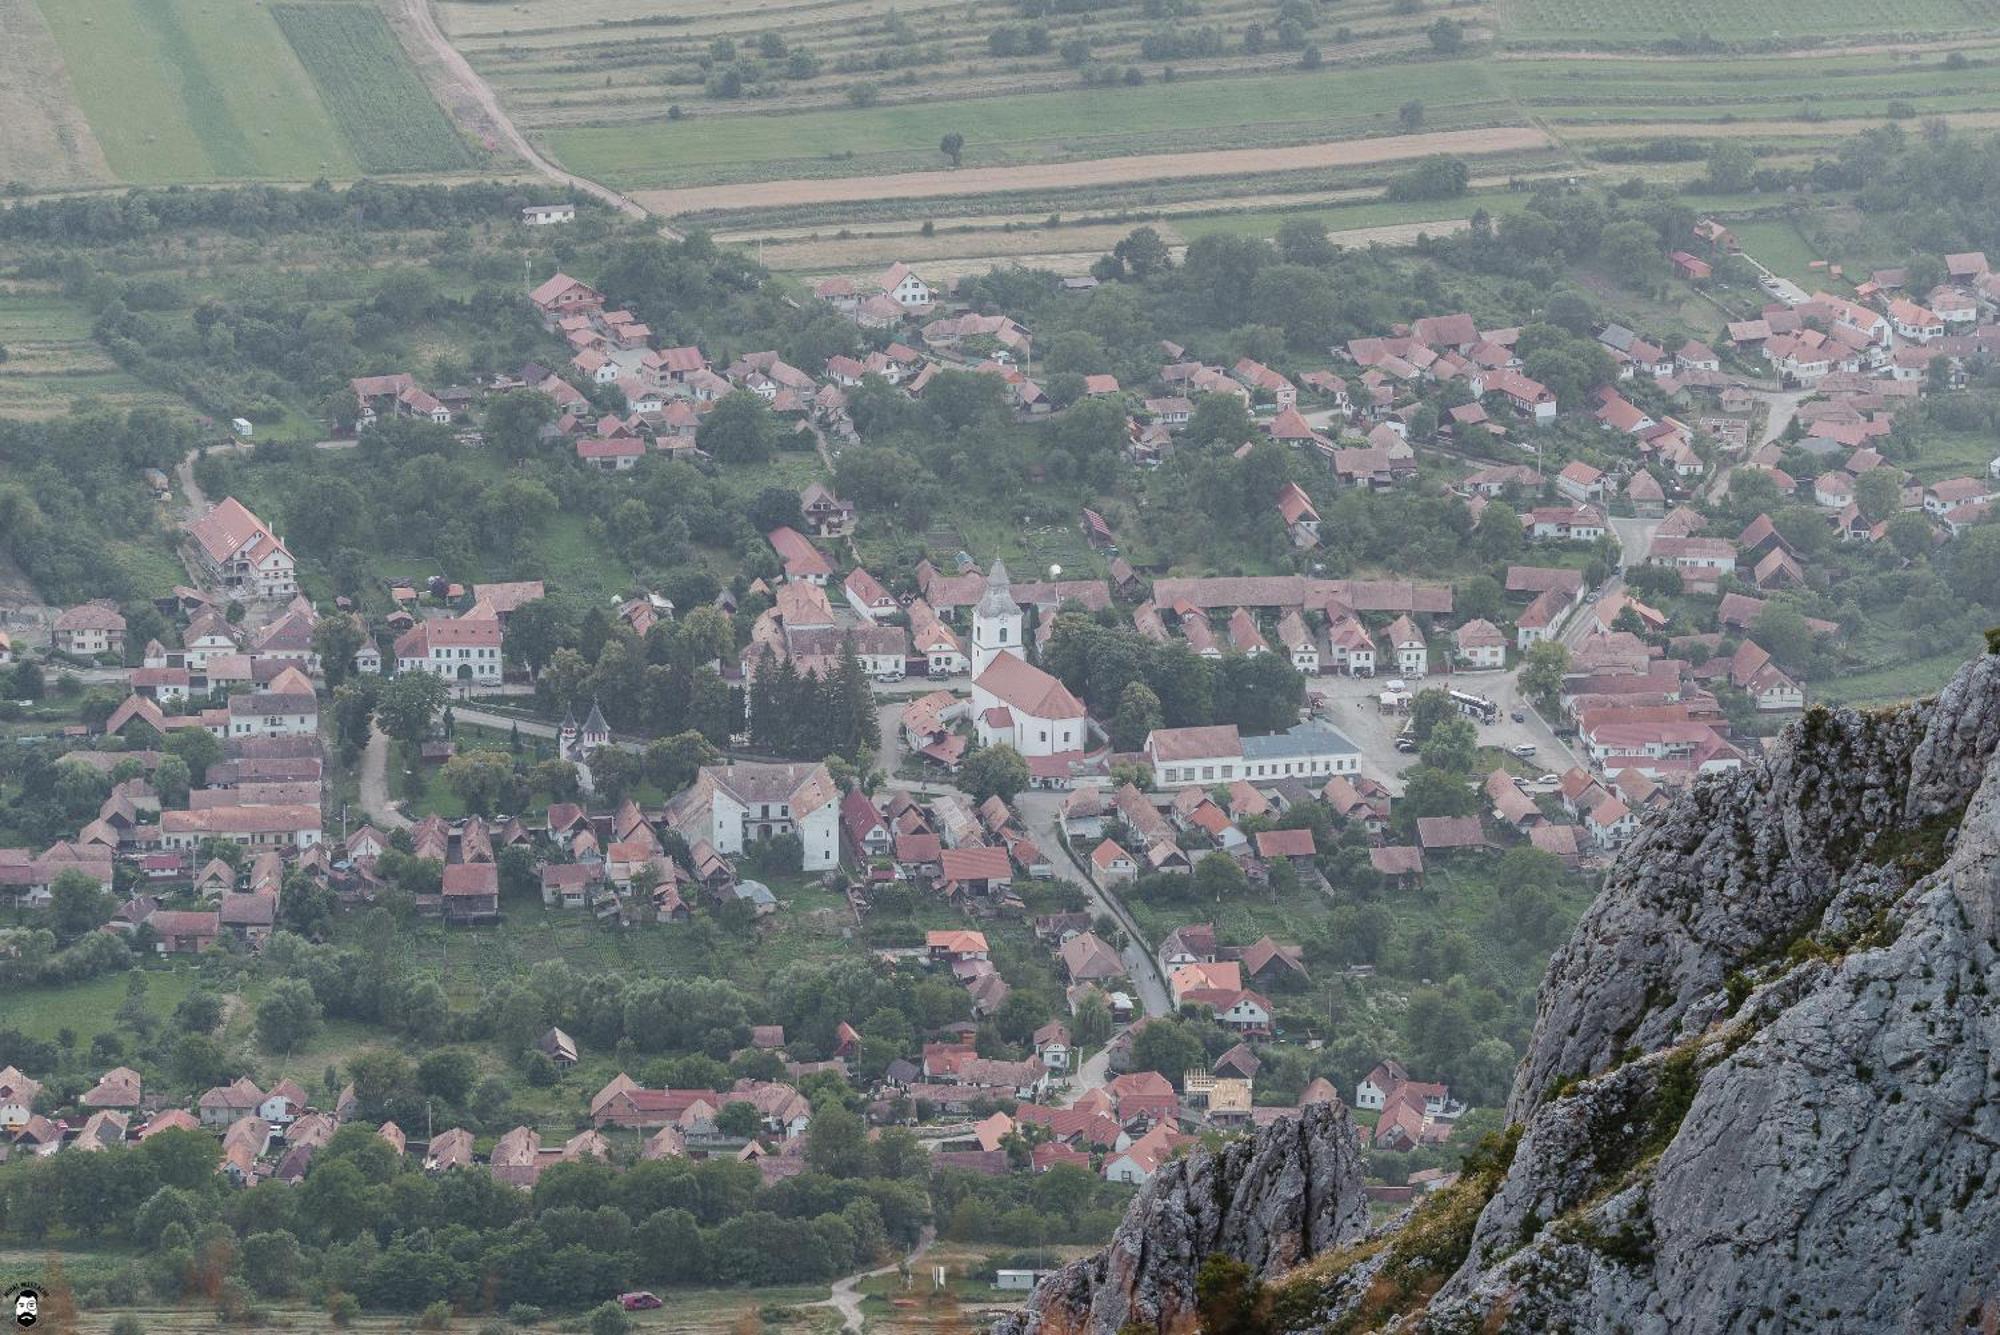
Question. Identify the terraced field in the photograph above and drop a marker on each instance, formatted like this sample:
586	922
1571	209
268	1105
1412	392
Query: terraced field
1636	22
53	363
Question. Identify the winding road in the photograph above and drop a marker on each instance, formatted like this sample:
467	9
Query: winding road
474	98
846	1296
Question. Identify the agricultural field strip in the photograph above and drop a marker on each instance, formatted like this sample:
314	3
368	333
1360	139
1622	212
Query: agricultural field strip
389	117
47	138
1158	114
168	106
1356	195
1638	20
1134	168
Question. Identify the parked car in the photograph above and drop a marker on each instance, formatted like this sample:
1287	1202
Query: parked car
1524	750
1519	716
642	1301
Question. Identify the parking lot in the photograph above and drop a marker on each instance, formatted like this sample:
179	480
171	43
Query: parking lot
1352	708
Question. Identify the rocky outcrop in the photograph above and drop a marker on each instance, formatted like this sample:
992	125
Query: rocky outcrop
1273	1201
1763	1092
1738	869
1808	1143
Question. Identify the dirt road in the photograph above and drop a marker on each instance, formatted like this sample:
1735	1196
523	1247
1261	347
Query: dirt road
1094	172
846	1296
375	802
471	100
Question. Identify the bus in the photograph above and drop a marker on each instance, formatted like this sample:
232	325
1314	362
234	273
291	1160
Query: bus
1476	707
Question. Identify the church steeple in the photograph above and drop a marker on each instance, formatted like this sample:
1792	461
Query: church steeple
996	620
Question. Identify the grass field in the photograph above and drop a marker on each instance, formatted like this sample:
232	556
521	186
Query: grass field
1616	22
195	90
390	120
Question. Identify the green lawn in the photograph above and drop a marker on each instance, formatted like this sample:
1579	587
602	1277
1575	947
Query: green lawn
195	90
88	1008
1890	684
1077	123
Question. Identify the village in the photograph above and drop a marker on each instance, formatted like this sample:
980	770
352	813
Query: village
1619	660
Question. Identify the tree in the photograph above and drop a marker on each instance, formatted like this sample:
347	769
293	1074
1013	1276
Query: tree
483	780
1910	534
514	422
336	639
1410	115
1429	708
1783	633
953	147
1170	1047
738	1119
1542	671
1452	746
1091	1024
994	771
409	705
1974	572
1631	251
288	1015
837	1142
77	905
448	1074
1220	419
740	429
1138	714
1447	36
198	747
270	1263
1731	164
536	629
614	771
1144	253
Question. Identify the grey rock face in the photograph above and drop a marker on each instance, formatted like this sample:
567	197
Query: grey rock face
1740	866
1832	1168
1763	1093
1273	1200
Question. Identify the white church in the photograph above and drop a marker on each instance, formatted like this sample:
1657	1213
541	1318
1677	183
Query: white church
1013	701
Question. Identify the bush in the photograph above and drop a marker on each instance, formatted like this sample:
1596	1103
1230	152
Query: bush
435	1317
609	1319
343	1308
524	1314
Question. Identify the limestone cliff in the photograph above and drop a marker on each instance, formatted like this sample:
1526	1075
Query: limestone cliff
1273	1200
1763	1091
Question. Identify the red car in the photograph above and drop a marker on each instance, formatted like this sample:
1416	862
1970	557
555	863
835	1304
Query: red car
641	1301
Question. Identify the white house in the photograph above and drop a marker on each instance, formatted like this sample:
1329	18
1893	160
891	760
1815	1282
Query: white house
1481	646
275	826
275	713
1219	754
463	649
734	805
903	287
1407	643
240	555
547	215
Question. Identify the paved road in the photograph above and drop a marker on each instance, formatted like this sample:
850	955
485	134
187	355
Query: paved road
476	90
1038	812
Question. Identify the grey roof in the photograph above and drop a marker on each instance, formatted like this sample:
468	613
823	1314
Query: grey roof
757	893
1303	739
998	600
595	724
